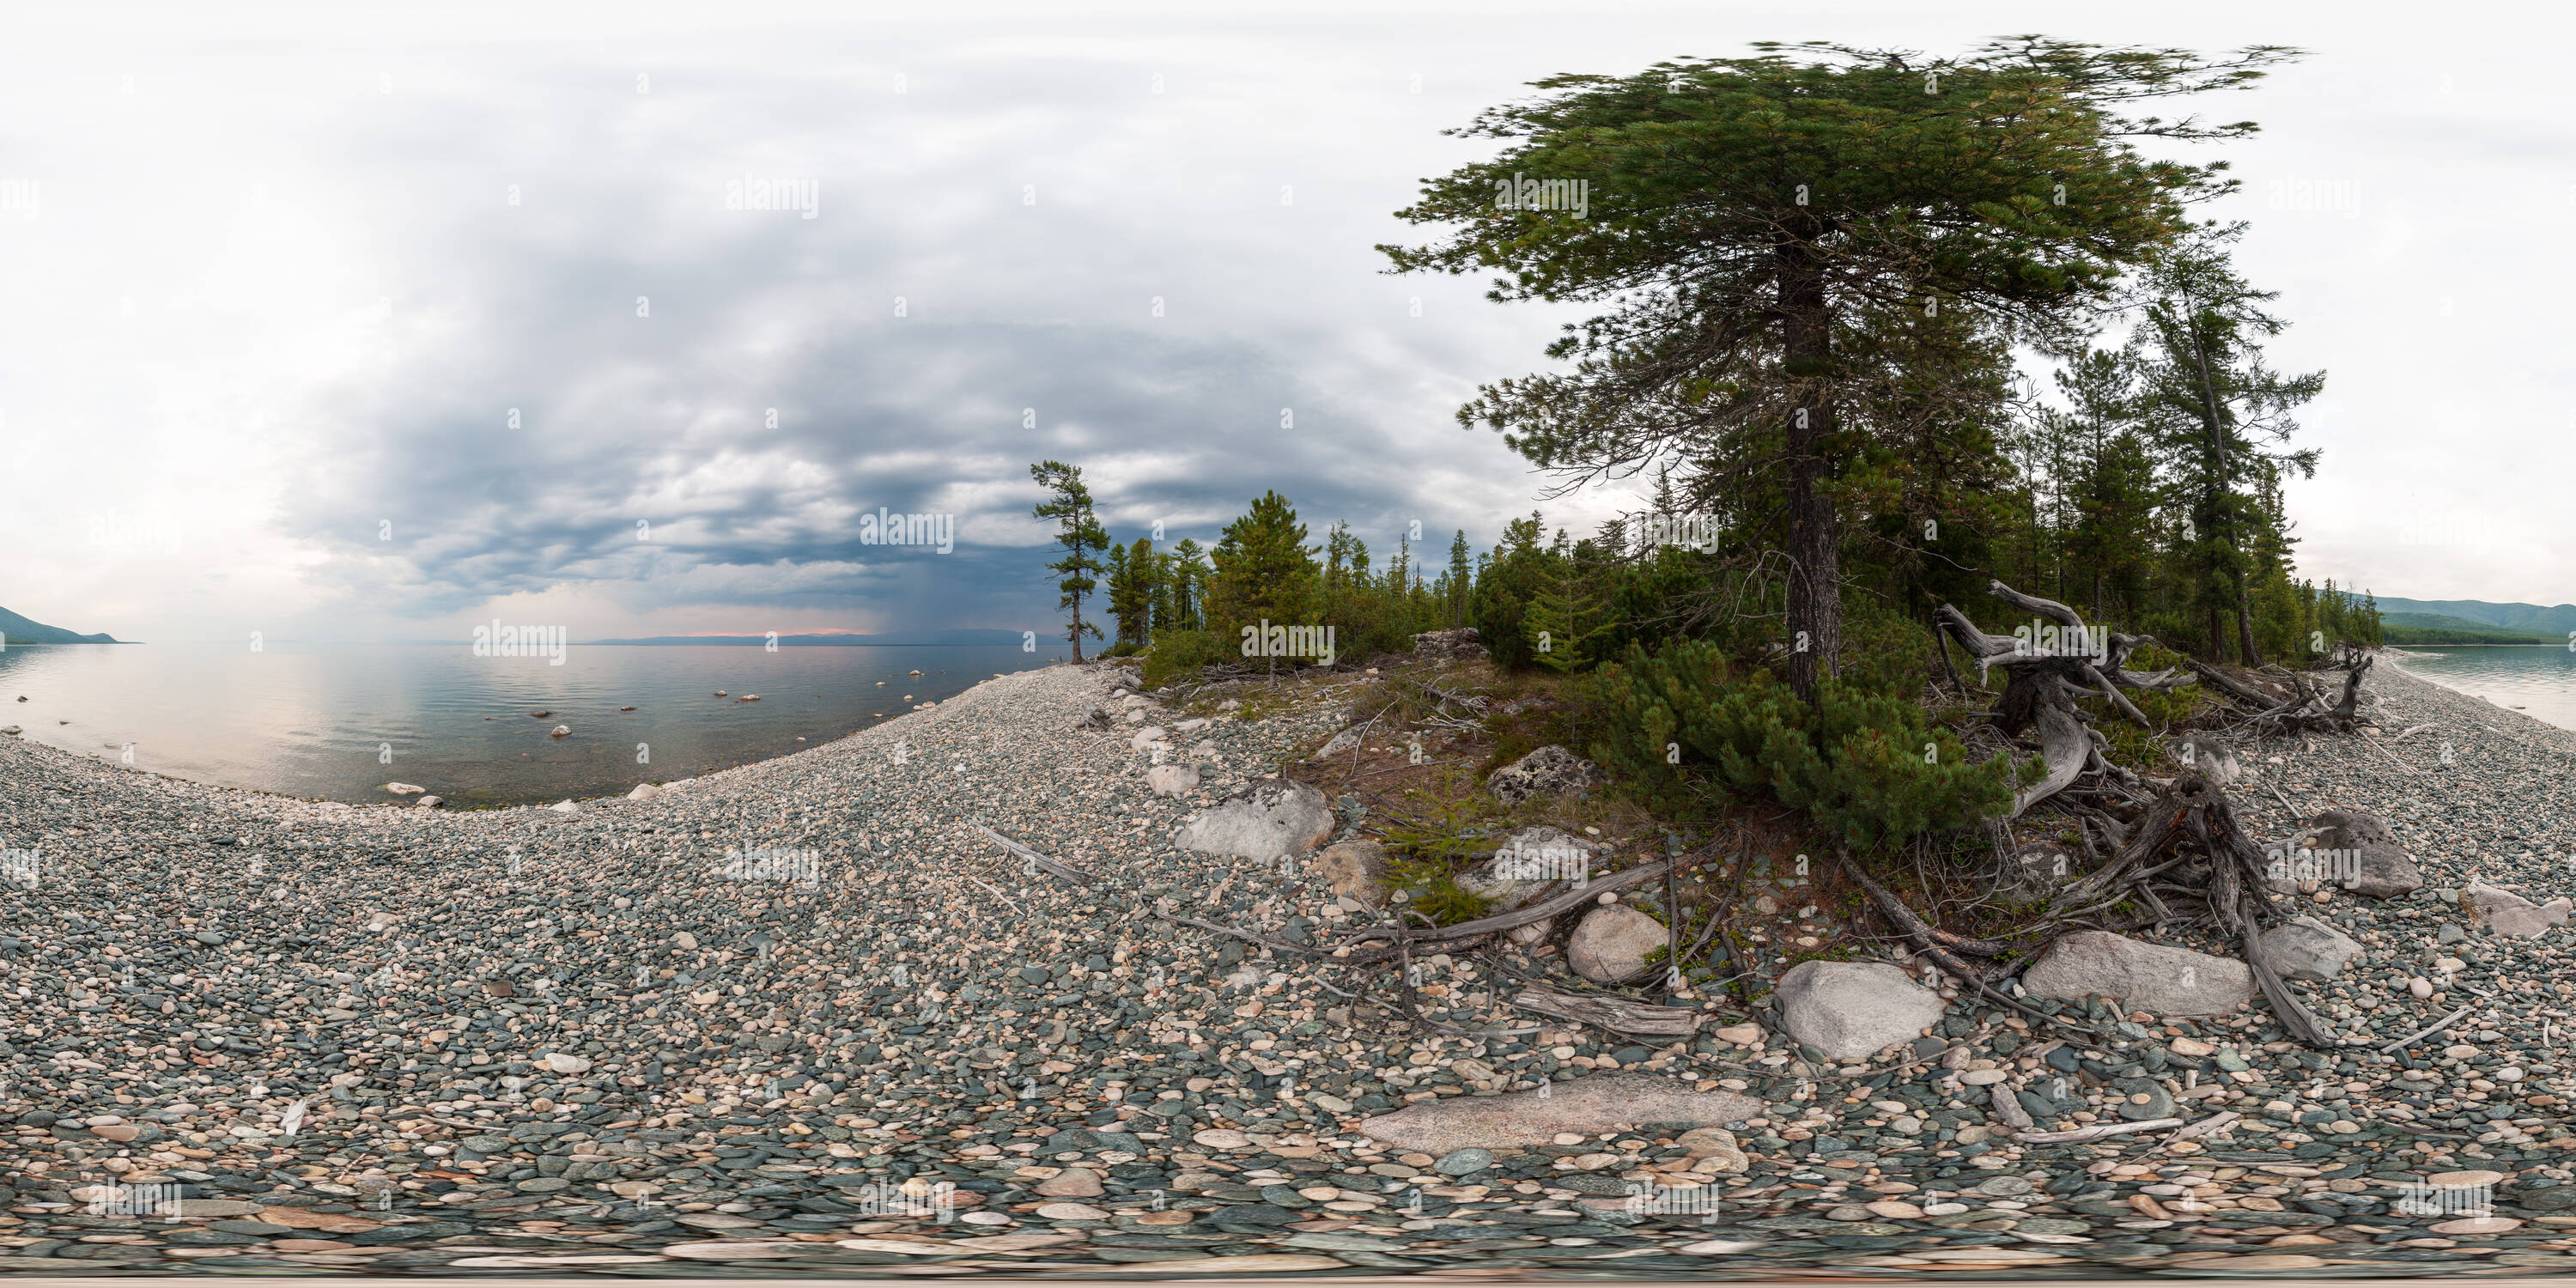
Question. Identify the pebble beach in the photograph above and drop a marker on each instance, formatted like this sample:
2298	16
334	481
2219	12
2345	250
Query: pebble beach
805	1018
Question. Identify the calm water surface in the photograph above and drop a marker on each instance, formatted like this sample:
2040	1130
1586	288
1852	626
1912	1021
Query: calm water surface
338	721
2540	679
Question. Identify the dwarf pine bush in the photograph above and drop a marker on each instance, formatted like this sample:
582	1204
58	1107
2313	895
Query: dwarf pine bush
1687	729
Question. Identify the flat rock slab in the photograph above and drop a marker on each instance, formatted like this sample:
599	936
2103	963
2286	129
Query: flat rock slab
2508	913
1262	820
2308	948
1172	780
217	1207
2151	977
1603	1103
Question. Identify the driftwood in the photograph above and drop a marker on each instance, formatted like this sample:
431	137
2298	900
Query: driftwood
1557	905
1065	871
1275	945
1614	1014
2042	685
2306	710
1915	927
2216	1122
2438	1025
2094	1132
2316	716
2063	744
1936	944
2230	685
2007	1107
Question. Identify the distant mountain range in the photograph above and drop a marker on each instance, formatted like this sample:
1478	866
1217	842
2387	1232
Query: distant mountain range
2474	621
19	630
961	635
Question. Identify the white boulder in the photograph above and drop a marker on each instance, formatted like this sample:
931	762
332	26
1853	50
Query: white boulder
1850	1010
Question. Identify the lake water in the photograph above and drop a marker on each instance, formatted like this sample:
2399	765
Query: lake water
2540	679
339	721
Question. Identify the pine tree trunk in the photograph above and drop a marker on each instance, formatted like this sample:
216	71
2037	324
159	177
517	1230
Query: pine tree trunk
1815	577
2217	637
2245	626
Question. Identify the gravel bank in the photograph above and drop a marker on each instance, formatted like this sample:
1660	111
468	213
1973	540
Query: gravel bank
728	1024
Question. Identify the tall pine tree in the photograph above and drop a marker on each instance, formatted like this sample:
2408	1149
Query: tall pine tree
1079	534
2221	417
1264	571
1134	574
1752	207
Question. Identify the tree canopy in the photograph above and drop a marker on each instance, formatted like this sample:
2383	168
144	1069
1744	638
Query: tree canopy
1752	223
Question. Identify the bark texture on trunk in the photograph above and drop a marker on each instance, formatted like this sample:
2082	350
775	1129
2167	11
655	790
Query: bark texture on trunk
1815	580
2245	627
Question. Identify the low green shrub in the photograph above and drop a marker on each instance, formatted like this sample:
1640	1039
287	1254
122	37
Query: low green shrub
1686	730
1432	889
1181	653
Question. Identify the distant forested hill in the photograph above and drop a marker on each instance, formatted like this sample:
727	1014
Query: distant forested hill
19	630
2418	621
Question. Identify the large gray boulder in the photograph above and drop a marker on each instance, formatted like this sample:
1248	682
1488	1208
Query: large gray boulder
1548	771
1850	1010
2364	852
2150	977
1590	1106
1261	820
2308	948
1610	944
2508	913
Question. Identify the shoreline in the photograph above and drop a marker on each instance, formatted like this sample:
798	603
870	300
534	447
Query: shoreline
2392	655
590	1023
780	743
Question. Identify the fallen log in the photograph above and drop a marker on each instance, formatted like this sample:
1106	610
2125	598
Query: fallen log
1614	1014
1914	926
2230	685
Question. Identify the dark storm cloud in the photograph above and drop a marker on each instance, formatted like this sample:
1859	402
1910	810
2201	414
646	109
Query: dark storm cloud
979	288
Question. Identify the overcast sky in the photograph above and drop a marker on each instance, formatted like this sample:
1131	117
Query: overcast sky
276	279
